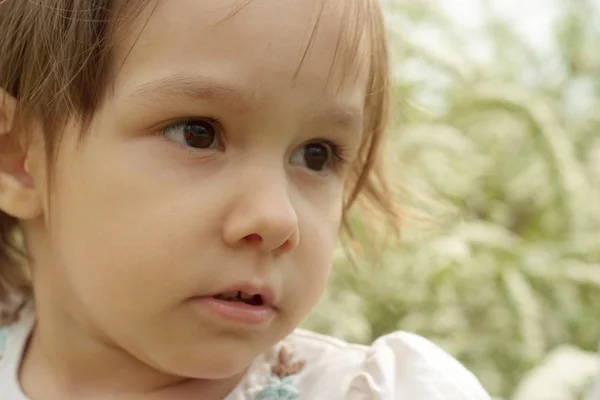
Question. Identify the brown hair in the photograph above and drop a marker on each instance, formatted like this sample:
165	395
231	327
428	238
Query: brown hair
56	61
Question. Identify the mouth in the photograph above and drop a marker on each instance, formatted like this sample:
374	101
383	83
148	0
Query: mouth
247	294
242	304
243	297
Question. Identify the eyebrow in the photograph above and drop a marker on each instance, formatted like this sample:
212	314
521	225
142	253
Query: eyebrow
202	88
197	88
344	118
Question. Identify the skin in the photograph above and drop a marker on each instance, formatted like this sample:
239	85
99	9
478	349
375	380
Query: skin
138	223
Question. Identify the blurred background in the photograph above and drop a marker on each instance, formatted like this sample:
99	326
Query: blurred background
497	144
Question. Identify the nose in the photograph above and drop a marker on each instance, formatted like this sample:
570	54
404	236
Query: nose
263	216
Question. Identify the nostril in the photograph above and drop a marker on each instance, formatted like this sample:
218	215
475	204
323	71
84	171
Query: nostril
253	238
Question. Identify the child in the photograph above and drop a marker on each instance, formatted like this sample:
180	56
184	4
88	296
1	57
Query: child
178	172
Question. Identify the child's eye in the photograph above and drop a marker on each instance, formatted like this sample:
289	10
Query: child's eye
318	155
197	134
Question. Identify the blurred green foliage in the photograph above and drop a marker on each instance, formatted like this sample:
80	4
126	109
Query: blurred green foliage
503	153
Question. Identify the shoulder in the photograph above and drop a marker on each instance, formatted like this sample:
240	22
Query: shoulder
15	321
400	365
14	333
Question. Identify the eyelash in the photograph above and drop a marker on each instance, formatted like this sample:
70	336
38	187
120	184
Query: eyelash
339	152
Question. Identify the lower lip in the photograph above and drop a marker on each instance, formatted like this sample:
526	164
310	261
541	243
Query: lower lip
237	311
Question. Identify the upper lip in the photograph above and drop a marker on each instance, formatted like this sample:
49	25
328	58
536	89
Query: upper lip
266	292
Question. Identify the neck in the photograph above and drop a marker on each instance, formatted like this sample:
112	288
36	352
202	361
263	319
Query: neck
64	358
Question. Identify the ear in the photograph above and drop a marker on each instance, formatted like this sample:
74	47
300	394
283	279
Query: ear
18	195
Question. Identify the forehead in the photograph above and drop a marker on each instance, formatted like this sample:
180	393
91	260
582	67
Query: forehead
273	44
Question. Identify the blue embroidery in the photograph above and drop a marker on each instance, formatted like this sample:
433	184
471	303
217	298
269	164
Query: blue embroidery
280	389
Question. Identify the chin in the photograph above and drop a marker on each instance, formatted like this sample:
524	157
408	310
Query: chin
225	368
213	365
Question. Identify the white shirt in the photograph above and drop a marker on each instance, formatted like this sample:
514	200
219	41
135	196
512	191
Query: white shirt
398	366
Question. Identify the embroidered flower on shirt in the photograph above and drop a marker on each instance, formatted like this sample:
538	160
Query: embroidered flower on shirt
281	385
280	389
285	367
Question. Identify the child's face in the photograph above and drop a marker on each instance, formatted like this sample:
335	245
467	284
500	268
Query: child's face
145	220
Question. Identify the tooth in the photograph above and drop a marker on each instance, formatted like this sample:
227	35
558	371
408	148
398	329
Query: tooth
246	296
229	295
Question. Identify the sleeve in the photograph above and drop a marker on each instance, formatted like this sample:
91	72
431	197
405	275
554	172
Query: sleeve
404	366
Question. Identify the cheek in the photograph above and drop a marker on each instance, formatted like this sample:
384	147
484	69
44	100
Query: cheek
122	231
318	238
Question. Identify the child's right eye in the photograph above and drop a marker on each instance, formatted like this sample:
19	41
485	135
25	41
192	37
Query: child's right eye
194	133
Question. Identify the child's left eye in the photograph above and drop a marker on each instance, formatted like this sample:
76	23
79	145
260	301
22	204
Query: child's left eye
201	133
318	155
